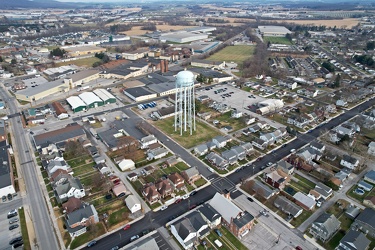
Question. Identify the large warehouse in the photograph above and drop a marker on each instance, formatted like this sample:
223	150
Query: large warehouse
182	37
139	94
105	96
280	31
76	103
41	90
91	100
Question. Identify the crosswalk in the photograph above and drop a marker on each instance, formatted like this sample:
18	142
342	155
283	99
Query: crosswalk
223	183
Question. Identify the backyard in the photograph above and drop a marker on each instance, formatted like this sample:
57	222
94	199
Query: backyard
237	54
203	133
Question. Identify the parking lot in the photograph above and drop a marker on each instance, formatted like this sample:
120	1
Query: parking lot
5	234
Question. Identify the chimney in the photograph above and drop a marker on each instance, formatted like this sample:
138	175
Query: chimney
226	194
166	65
162	66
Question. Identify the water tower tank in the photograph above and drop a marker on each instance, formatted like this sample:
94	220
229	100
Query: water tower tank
185	79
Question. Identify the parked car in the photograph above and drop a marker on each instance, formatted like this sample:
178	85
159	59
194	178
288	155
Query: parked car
250	199
12	227
217	231
186	196
115	248
293	150
163	207
127	227
18	244
133	238
192	207
193	193
178	201
4	198
172	218
298	248
269	164
92	243
144	232
13	221
14	240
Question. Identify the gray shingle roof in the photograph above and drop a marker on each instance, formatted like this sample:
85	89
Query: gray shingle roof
78	215
209	212
59	135
367	217
354	240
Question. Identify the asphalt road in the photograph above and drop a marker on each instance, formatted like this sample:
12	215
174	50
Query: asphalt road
155	220
44	230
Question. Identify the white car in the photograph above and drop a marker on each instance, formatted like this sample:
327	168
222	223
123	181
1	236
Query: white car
186	196
293	150
163	207
269	164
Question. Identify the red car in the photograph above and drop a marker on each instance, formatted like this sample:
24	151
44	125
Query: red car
192	207
298	248
178	201
126	227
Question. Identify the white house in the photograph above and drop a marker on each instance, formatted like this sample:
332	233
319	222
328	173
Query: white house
126	164
55	164
341	103
71	188
157	153
220	141
349	162
133	203
148	140
371	148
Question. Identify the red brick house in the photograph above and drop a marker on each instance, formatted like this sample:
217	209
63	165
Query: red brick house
151	194
164	188
191	175
177	181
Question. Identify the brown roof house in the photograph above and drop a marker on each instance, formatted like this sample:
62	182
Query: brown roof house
277	179
78	220
71	205
164	188
177	181
191	175
60	111
151	193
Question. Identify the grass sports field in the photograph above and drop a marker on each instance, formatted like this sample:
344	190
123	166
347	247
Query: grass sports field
88	62
237	53
278	40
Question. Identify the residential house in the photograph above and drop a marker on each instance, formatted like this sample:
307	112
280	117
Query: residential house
216	160
306	202
349	162
236	114
275	179
253	129
259	143
239	222
354	240
370	176
323	190
148	140
49	149
230	156
126	164
71	205
263	190
318	146
371	148
263	125
164	188
309	154
342	176
133	204
341	103
177	181
210	215
352	212
297	121
191	175
151	193
201	149
334	137
366	222
103	168
72	187
344	130
157	153
78	220
248	147
220	141
98	159
325	226
190	229
59	177
365	186
132	177
268	138
287	206
286	167
331	108
149	170
240	152
119	189
57	163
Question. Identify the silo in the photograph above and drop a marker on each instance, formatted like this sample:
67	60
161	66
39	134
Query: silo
185	103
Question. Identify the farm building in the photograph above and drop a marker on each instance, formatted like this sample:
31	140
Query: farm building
279	31
105	96
76	103
91	100
139	94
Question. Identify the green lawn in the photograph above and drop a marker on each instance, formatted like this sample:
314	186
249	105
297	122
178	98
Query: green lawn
78	161
345	222
181	166
84	169
118	216
200	182
88	62
25	234
305	181
301	218
170	170
299	187
237	54
226	120
213	236
232	239
91	234
334	242
277	40
202	134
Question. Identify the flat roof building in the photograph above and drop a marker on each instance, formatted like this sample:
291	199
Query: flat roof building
139	94
279	31
183	37
91	100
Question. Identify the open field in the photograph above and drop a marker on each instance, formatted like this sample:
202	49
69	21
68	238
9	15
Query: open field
88	62
137	31
276	40
348	22
202	134
236	54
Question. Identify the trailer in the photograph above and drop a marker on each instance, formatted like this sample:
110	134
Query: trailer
93	132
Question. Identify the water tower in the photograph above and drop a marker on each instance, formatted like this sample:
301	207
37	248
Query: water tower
185	103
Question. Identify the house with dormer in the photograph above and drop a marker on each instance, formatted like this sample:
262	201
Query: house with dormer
78	220
216	160
164	188
178	183
325	226
151	193
72	187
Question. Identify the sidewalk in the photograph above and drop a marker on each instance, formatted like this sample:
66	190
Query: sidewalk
164	232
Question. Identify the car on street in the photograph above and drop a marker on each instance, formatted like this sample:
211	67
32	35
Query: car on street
172	218
127	227
250	199
163	207
144	232
11	215
293	150
178	201
92	243
12	227
133	238
185	196
269	164
263	167
115	248
193	193
4	198
12	221
298	248
192	207
14	240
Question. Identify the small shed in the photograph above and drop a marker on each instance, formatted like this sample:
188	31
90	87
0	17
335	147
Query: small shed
126	164
133	203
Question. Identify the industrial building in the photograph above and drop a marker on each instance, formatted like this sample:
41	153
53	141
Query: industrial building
105	96
6	172
81	50
40	91
203	47
139	94
91	100
162	89
82	77
279	31
76	103
182	37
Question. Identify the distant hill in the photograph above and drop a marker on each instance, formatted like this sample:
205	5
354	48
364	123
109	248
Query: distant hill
9	4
